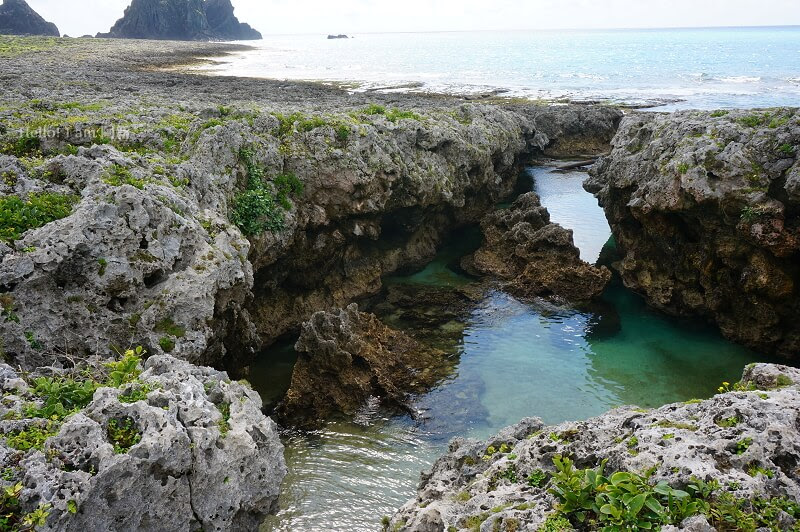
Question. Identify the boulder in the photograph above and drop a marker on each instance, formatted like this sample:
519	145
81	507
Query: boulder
348	357
534	257
195	452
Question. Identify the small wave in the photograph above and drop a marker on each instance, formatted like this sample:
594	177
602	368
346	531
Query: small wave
741	79
794	80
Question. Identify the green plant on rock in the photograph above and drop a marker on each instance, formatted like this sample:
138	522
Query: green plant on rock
261	207
18	215
621	501
167	344
537	478
374	109
24	146
743	445
224	424
123	434
787	149
729	422
33	437
11	517
127	369
61	396
118	175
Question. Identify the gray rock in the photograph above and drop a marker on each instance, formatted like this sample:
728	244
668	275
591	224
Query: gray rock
704	207
206	457
678	441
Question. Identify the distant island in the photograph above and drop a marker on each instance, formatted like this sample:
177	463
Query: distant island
18	18
181	20
340	36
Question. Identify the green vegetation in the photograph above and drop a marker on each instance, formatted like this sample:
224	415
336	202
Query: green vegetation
118	175
537	478
11	517
787	149
743	445
261	207
25	146
729	422
224	424
755	470
123	434
737	387
168	326
667	424
718	114
13	46
31	438
392	115
783	380
167	344
18	216
683	168
627	501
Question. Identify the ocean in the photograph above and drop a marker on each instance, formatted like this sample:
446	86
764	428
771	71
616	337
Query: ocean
664	68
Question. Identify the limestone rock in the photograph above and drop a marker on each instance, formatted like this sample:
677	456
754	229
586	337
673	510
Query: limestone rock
205	458
535	258
704	209
17	18
348	357
720	439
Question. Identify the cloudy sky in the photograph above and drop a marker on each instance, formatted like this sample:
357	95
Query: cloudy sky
78	17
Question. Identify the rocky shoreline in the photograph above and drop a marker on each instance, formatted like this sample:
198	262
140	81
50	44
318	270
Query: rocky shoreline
204	218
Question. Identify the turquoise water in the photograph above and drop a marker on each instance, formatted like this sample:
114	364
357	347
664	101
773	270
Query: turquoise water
515	360
685	68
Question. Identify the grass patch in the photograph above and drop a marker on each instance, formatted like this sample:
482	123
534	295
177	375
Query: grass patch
118	175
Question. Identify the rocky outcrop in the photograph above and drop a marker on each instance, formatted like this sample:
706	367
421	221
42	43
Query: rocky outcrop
534	257
177	448
189	20
346	358
737	447
704	207
17	18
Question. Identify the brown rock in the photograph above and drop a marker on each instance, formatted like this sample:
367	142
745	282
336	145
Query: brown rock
348	357
535	258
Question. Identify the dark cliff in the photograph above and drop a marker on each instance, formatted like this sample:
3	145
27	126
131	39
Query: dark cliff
189	20
17	18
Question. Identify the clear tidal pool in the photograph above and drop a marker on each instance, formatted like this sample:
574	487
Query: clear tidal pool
511	360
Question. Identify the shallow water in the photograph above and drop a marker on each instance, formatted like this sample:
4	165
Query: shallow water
691	68
515	360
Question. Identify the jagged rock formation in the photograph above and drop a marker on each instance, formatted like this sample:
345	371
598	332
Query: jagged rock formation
534	257
17	18
704	207
747	441
198	454
190	20
348	357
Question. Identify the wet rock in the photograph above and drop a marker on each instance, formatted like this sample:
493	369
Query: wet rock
17	18
704	210
721	439
534	257
345	358
200	455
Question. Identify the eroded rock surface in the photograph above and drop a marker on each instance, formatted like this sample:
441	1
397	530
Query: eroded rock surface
189	20
348	357
17	18
746	440
535	257
704	208
203	456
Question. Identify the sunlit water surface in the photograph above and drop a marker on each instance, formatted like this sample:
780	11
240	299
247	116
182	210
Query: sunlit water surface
686	68
516	360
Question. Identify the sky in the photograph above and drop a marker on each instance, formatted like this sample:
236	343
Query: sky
79	17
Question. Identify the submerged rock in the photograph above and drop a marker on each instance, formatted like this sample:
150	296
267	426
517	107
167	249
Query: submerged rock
741	445
704	208
347	357
180	448
17	18
534	257
190	20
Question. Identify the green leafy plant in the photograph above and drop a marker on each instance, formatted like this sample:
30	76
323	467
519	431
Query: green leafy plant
718	114
32	437
743	445
537	478
118	175
24	146
18	215
224	424
167	344
123	434
261	207
127	369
